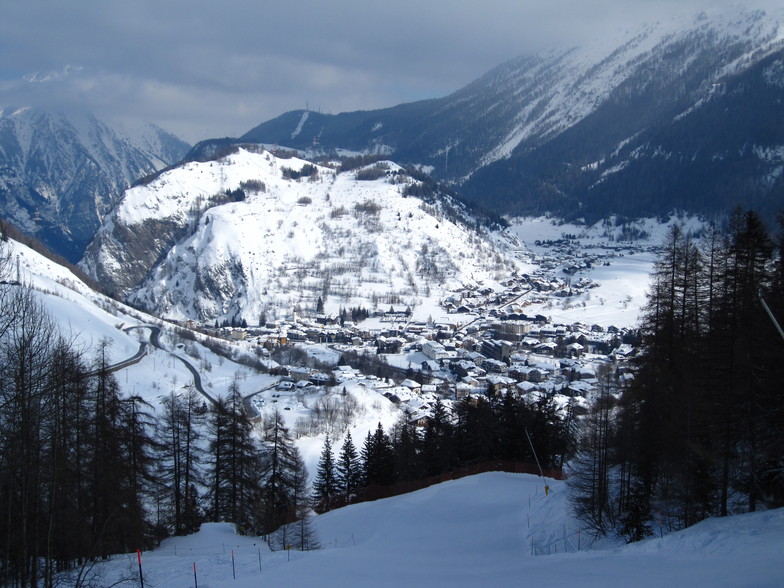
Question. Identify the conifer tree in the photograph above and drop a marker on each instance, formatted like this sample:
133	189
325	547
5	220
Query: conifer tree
235	463
325	487
180	460
405	444
279	476
438	446
348	470
378	459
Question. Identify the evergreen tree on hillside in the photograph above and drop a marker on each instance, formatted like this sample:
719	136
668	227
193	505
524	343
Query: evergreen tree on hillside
280	476
298	532
138	445
180	460
476	431
349	469
109	474
235	463
405	444
438	444
325	487
378	459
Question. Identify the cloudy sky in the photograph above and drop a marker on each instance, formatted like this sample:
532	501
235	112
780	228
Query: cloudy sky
212	68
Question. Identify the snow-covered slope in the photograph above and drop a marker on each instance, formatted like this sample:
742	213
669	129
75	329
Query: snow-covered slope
637	123
531	99
557	89
86	318
60	173
489	530
243	236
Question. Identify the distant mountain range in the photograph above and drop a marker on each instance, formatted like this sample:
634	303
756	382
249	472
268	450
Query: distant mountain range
61	173
684	114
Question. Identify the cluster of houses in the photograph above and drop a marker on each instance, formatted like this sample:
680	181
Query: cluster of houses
497	349
500	354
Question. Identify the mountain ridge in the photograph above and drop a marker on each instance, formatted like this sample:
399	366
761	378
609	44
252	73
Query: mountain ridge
60	172
518	139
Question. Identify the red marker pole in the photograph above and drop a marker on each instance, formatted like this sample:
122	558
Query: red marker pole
233	571
195	580
141	576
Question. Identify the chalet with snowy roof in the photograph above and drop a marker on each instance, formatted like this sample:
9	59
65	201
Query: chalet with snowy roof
547	348
431	366
462	390
496	383
393	398
320	378
578	388
574	350
411	385
475	357
524	388
421	419
462	367
518	371
299	374
435	350
530	342
391	345
493	366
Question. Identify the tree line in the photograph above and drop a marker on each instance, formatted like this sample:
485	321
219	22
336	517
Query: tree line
479	430
87	471
698	431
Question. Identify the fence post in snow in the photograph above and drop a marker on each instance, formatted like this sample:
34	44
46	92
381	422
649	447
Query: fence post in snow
139	558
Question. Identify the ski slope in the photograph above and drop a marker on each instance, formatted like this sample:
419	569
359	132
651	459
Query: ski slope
476	531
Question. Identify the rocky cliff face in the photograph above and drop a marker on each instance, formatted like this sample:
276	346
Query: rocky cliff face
61	173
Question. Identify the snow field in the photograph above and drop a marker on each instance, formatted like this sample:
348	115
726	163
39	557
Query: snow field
476	531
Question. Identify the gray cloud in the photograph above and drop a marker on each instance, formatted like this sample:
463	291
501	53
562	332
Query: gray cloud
204	68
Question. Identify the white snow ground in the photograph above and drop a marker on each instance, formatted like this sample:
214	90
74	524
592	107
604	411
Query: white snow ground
477	531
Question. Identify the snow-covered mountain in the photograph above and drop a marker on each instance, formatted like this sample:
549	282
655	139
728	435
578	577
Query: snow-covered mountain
251	233
61	173
668	114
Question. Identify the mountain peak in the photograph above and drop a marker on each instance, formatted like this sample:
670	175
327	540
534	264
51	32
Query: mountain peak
62	171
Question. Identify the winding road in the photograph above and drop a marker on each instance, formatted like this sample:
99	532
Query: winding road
155	341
